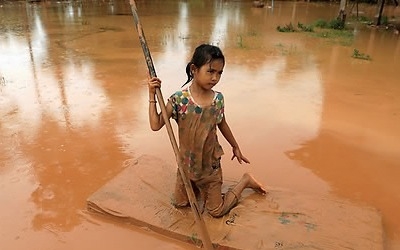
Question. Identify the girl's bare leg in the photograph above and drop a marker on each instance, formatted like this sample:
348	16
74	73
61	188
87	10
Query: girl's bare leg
232	197
248	181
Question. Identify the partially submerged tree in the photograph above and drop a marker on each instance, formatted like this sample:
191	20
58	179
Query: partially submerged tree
342	12
381	5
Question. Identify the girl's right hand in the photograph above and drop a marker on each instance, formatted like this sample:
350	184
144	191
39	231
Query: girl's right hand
239	156
153	84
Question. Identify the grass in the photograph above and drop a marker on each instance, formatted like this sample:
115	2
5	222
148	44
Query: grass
358	55
333	30
320	23
287	28
249	35
305	28
194	239
361	19
343	37
240	41
287	50
332	24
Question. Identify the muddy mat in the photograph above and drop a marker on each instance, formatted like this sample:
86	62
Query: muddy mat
141	194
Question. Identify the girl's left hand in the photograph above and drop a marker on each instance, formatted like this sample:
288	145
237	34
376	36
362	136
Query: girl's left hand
238	154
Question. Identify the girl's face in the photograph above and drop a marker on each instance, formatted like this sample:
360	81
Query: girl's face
208	75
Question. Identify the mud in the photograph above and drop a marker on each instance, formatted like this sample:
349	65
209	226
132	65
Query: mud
73	108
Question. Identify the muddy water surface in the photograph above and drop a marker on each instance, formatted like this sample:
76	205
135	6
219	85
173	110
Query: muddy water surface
73	109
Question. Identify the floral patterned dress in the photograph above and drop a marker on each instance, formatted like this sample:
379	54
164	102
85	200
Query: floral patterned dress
199	148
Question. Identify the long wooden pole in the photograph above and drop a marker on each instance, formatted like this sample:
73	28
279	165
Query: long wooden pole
188	186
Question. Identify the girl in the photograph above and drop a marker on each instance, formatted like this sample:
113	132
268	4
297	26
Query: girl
198	111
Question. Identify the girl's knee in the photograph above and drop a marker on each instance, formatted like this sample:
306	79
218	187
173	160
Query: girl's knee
180	200
180	204
228	202
217	213
218	210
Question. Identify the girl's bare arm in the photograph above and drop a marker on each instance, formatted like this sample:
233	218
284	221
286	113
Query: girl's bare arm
155	118
227	133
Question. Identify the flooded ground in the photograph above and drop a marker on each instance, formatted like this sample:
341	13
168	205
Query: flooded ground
73	108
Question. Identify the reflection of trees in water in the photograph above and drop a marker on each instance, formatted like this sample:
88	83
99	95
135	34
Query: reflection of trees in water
355	149
69	166
72	148
354	173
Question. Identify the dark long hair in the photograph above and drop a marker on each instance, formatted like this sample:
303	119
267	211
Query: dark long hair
203	54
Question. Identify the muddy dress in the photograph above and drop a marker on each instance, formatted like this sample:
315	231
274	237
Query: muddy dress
200	151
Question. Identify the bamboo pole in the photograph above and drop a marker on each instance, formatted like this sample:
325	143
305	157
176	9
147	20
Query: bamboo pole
188	186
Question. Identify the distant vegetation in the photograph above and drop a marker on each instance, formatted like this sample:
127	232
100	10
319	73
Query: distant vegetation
326	29
333	29
323	24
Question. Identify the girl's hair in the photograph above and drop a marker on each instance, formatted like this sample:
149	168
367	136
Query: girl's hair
203	54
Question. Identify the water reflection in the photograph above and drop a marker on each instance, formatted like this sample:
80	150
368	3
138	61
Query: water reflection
220	30
357	142
175	48
52	111
353	170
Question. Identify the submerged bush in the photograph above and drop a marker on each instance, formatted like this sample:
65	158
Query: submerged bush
333	24
320	23
333	30
358	55
288	28
336	24
306	28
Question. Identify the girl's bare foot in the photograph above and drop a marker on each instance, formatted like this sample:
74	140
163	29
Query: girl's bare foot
254	184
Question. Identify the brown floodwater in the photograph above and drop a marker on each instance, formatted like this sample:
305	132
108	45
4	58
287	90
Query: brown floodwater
73	108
